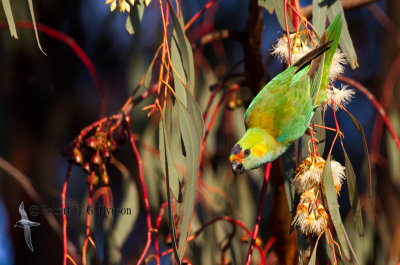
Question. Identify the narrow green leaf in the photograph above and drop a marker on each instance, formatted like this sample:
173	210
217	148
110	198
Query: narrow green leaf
313	257
125	222
289	166
185	49
353	194
34	26
319	11
345	42
280	14
267	4
165	164
10	18
329	248
192	137
149	75
135	17
360	131
302	243
333	206
166	159
180	79
351	248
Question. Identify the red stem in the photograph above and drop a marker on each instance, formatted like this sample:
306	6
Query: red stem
288	32
88	219
223	218
375	103
387	92
77	50
259	210
158	223
198	14
145	196
295	17
63	197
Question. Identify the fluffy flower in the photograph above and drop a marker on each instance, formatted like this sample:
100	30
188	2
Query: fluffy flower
338	174
311	217
311	172
338	62
340	96
281	50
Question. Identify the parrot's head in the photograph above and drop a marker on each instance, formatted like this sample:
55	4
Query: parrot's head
255	149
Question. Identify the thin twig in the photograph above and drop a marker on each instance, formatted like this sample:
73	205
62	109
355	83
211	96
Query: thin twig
198	14
144	190
259	211
375	103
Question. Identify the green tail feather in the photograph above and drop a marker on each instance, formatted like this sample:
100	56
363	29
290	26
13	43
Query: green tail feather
321	78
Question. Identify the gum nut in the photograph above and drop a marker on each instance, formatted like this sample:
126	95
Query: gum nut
91	142
86	167
96	159
128	119
77	156
297	42
231	104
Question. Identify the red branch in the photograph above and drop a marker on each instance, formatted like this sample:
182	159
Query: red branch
91	178
77	50
158	223
223	218
259	210
387	92
64	225
145	196
295	16
288	32
198	14
374	102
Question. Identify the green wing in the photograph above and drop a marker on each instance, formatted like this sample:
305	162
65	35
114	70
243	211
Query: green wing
283	107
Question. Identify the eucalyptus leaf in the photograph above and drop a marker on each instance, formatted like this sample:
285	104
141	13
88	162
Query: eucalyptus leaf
345	42
353	194
149	75
185	49
124	223
360	131
289	166
167	163
279	6
319	11
135	17
303	245
192	137
179	74
267	4
10	18
34	26
313	257
330	195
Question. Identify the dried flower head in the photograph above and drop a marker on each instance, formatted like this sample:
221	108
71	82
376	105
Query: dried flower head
340	96
300	48
311	217
122	5
281	48
310	174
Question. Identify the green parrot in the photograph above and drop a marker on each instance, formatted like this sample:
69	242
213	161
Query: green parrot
282	111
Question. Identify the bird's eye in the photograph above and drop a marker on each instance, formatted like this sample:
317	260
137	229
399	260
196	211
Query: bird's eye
246	153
